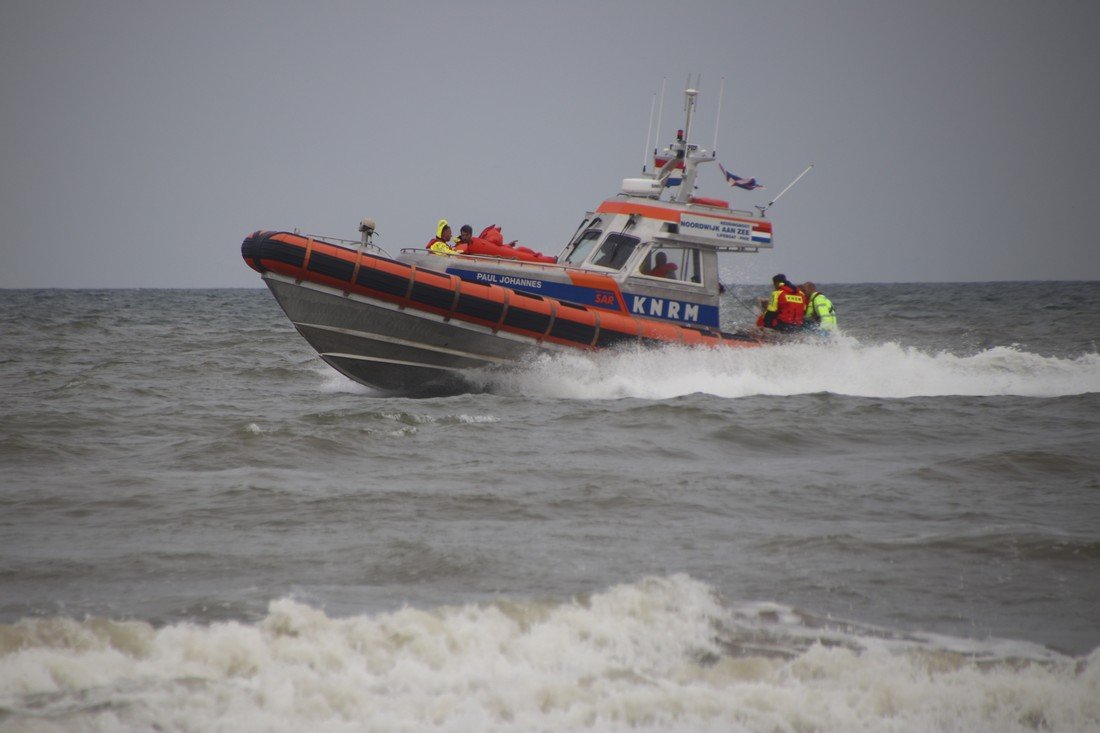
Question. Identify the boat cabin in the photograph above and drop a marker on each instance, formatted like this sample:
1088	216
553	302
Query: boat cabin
652	251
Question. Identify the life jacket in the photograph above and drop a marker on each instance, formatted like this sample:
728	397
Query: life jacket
664	270
788	305
439	247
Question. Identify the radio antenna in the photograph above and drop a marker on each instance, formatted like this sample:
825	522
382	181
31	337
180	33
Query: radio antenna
764	209
718	117
645	150
660	109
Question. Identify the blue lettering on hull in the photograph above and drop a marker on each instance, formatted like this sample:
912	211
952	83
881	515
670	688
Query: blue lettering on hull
680	311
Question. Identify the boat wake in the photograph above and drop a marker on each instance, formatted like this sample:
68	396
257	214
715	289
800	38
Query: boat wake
843	366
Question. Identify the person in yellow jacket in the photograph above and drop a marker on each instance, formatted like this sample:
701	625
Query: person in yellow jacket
820	313
441	242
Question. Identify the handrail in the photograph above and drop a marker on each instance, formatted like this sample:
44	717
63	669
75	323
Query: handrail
351	243
710	243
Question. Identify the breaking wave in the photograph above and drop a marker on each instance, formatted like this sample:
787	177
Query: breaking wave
661	654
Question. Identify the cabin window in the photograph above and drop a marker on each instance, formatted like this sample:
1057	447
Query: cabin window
615	251
672	263
584	245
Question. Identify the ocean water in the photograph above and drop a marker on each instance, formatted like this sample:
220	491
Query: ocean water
205	528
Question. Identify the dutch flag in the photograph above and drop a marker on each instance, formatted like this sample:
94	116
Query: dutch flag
749	184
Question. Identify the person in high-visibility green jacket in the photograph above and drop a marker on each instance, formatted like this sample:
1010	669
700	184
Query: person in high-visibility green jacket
820	313
441	242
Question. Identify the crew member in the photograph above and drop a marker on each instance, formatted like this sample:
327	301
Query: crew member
663	268
441	242
465	235
786	308
820	313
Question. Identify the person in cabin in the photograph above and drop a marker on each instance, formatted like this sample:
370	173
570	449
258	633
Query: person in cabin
787	307
441	242
820	314
662	267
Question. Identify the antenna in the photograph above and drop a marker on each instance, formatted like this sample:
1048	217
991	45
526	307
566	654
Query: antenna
660	109
718	117
764	209
690	96
645	150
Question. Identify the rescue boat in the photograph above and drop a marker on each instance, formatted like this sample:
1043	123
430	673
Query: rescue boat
640	269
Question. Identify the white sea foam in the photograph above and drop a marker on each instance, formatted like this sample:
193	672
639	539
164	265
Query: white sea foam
478	419
843	366
655	655
411	418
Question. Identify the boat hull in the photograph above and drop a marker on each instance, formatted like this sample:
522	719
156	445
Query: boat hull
389	348
399	327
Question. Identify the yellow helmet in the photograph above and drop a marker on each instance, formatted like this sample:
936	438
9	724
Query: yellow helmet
439	228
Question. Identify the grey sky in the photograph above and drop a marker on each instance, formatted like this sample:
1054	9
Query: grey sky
141	141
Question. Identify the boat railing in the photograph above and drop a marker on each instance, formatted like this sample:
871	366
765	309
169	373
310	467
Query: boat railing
352	244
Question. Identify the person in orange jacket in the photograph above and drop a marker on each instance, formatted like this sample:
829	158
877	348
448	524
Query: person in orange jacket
662	267
787	307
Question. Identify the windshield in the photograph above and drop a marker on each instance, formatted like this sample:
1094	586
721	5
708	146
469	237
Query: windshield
580	250
615	251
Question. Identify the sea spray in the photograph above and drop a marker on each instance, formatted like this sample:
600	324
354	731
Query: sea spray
842	366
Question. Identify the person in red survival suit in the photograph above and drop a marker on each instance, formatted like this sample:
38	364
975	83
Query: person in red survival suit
786	308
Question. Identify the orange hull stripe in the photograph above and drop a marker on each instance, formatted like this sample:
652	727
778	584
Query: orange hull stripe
663	214
596	281
629	207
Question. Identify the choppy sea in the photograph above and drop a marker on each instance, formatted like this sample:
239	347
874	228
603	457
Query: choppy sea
205	528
